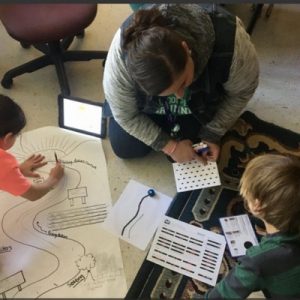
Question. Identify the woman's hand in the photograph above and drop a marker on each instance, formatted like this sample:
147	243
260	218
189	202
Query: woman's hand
184	152
213	151
32	163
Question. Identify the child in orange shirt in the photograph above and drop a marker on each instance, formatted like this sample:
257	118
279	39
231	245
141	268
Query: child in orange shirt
12	174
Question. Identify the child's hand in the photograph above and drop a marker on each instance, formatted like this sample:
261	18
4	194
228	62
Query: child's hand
32	163
57	172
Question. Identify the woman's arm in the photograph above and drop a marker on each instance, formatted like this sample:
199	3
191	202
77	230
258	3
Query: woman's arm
120	94
240	87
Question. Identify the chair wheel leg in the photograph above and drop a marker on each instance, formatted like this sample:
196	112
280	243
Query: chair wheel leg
25	45
80	35
269	10
7	83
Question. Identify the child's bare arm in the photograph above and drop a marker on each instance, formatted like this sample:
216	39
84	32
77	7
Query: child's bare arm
38	190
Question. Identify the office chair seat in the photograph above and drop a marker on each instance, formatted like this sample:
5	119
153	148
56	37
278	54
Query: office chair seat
50	28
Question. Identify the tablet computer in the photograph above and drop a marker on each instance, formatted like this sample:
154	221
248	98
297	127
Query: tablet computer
82	116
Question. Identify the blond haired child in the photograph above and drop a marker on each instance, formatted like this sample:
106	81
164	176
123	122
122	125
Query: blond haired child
270	186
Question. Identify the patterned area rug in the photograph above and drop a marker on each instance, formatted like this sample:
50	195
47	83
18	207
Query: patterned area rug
249	137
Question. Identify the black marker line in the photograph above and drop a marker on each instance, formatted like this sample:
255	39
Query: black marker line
138	210
190	271
155	257
174	257
129	232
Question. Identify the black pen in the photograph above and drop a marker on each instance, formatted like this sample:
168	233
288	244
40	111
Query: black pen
55	155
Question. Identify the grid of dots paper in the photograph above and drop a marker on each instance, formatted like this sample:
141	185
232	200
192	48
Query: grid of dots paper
194	175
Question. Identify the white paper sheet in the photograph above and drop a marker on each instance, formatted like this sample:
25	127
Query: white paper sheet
188	250
133	219
239	234
194	175
55	247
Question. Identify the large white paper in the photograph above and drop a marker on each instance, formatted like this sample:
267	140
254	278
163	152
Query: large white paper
188	250
194	175
55	246
134	218
239	234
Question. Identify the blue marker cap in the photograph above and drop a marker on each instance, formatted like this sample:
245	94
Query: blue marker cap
200	148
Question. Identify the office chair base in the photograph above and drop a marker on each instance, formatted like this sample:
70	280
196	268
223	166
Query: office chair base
55	54
6	82
80	35
25	45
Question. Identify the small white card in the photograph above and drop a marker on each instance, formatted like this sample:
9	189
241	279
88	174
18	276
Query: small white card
188	250
135	216
239	234
194	175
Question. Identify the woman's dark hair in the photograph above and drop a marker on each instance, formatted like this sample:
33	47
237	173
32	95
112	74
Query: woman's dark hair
12	117
155	55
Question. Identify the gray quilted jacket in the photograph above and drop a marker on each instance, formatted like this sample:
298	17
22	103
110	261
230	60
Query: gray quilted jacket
194	23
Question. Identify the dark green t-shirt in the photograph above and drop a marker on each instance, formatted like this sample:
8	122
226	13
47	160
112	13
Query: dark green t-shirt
273	266
177	106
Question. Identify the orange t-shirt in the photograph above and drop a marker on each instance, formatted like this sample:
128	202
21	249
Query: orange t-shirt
11	178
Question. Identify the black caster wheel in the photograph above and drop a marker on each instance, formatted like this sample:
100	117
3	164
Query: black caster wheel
269	10
7	83
25	45
80	35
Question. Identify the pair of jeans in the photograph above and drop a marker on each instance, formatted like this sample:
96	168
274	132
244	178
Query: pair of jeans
126	146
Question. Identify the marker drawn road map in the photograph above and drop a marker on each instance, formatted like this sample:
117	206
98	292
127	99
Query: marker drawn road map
55	246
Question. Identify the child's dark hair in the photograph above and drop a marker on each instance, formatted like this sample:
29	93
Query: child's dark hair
155	55
12	117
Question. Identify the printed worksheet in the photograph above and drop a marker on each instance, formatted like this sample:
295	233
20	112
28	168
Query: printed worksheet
194	175
188	250
239	234
55	247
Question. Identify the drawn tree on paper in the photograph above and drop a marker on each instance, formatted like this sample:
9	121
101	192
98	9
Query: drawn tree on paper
86	263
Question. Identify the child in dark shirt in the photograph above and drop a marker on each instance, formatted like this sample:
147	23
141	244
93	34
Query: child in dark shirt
270	186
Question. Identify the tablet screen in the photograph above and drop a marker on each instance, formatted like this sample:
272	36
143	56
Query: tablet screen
82	116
